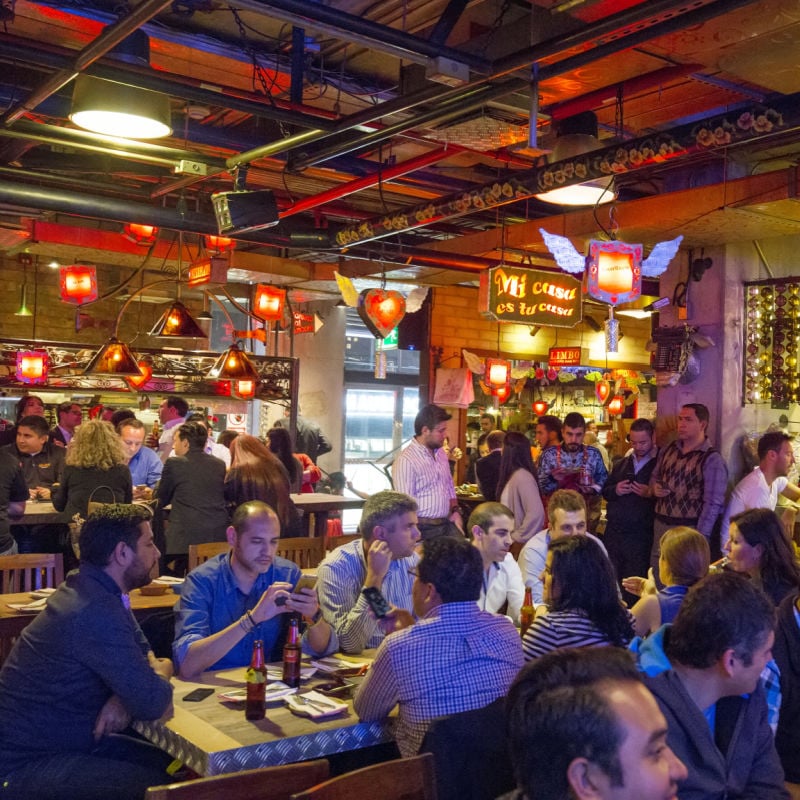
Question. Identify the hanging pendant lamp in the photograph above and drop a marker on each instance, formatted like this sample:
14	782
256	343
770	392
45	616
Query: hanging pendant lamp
177	321
113	359
233	365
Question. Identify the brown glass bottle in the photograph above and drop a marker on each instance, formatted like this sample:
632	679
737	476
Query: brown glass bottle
292	655
526	612
256	677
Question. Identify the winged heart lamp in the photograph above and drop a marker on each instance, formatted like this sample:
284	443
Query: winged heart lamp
613	269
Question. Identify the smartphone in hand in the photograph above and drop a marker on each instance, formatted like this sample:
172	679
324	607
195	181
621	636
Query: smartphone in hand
377	602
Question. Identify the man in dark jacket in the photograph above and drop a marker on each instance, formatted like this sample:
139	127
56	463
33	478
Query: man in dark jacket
487	469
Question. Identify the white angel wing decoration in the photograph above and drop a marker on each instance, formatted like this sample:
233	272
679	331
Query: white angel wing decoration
659	257
564	252
474	363
416	297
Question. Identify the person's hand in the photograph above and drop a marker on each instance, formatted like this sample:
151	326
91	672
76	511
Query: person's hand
58	443
112	718
395	620
379	559
161	666
151	441
142	493
642	489
660	489
304	602
624	487
42	492
634	585
559	473
273	602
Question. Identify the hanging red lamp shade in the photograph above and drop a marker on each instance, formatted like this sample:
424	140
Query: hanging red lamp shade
498	372
616	405
381	310
219	244
146	366
140	234
269	302
540	407
245	389
602	390
79	283
32	366
502	393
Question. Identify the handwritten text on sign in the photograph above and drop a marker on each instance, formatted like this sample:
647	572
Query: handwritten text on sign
530	296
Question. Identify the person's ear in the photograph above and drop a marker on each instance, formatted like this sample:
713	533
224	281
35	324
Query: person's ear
582	776
120	554
728	661
477	532
230	535
379	533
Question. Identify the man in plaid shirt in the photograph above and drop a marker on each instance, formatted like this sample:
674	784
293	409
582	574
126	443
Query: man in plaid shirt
454	658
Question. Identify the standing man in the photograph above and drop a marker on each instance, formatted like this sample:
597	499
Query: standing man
574	465
582	726
487	423
490	526
42	462
13	494
423	472
144	463
382	558
689	482
712	697
171	412
455	658
487	469
630	505
761	488
81	671
69	416
309	438
235	598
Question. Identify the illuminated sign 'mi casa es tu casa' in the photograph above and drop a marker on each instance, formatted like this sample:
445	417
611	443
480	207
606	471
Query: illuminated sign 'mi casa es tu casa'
530	296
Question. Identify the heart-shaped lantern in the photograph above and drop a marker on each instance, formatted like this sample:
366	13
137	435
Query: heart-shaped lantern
381	310
146	366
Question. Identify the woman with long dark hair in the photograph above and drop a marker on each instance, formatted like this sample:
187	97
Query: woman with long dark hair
583	604
518	489
758	547
303	472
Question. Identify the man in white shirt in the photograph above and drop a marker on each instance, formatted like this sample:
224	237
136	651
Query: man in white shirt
490	526
566	515
761	488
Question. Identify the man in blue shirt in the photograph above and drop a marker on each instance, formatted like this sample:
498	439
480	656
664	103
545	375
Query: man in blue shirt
231	600
144	463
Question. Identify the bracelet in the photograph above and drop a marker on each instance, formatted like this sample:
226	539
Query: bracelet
243	624
250	617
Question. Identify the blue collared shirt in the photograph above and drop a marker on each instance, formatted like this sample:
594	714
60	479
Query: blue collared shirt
145	468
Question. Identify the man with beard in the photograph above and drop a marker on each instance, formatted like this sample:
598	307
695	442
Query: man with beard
81	671
574	465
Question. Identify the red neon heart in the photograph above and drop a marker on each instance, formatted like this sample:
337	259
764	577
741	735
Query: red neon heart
381	310
147	372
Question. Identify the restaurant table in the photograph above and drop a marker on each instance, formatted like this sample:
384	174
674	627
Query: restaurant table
318	504
468	501
39	512
213	737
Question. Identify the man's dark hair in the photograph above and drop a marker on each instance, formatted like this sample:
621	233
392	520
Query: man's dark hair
575	420
722	611
198	416
454	567
194	433
558	710
381	508
63	408
565	499
37	424
489	417
429	417
483	515
120	416
643	424
179	404
130	422
249	510
771	441
23	402
551	423
495	439
106	528
701	411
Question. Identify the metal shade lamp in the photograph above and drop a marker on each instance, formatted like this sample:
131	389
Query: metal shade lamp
114	359
117	109
176	321
233	365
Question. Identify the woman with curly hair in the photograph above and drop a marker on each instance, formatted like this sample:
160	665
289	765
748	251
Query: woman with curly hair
256	474
583	604
95	468
758	547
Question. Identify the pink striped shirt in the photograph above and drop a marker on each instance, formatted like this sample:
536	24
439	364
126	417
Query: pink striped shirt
424	474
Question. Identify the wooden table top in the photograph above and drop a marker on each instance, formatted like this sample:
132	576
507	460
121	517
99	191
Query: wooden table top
212	736
321	501
38	512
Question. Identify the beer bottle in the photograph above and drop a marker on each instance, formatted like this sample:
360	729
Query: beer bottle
256	677
292	655
526	612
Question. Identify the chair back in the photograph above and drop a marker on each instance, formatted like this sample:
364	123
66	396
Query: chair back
199	553
332	542
27	572
269	783
403	779
305	551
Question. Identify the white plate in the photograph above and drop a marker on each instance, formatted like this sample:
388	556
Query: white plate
324	706
34	607
331	664
40	593
275	691
277	673
168	580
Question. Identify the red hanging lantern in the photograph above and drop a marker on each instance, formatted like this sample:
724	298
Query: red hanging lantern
540	407
146	366
269	302
602	390
219	244
245	389
498	372
616	405
79	283
32	366
140	234
502	393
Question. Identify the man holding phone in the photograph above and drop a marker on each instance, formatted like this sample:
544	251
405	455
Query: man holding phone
243	595
631	505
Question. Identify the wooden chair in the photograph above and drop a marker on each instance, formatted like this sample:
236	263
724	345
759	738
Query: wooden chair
403	779
269	783
305	551
332	542
27	572
199	553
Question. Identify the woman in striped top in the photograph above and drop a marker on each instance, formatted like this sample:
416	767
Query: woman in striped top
584	607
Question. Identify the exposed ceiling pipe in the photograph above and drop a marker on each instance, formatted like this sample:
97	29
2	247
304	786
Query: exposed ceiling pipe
108	39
